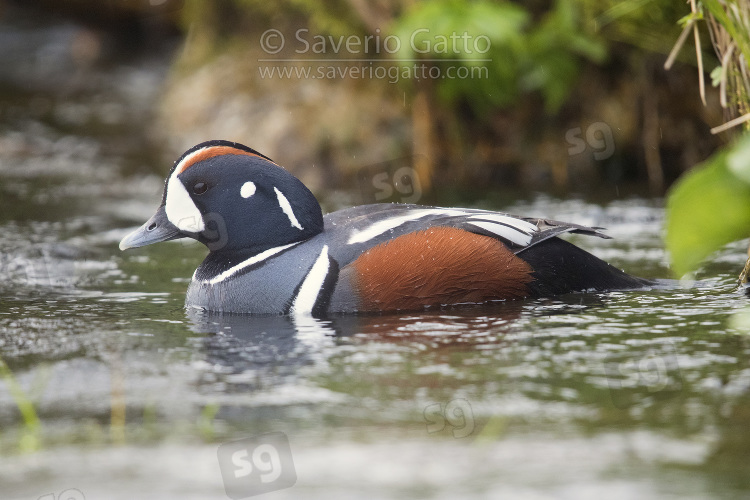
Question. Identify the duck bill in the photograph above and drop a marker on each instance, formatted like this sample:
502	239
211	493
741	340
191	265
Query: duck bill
156	229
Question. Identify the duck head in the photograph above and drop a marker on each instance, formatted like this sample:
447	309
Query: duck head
230	198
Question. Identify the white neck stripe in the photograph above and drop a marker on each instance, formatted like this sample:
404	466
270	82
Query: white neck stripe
249	262
311	286
287	208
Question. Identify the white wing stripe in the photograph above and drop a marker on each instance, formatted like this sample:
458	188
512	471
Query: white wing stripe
310	289
522	225
249	262
508	233
382	226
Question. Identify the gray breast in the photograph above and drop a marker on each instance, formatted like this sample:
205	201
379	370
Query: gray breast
266	287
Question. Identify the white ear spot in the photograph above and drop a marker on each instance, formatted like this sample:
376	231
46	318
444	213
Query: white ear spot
247	190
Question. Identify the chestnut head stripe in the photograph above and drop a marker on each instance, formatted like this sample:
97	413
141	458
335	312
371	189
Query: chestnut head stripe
210	152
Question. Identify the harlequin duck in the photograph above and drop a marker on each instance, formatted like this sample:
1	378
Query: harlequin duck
271	250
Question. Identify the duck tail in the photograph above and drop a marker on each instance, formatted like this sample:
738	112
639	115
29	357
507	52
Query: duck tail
561	267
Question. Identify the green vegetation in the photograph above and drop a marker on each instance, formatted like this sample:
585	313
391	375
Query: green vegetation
520	56
30	440
529	73
710	206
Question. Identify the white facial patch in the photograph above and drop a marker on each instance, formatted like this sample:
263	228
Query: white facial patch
247	189
287	208
180	209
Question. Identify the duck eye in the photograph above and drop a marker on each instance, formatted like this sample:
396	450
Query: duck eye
200	187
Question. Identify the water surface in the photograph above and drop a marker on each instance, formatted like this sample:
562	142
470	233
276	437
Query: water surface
629	394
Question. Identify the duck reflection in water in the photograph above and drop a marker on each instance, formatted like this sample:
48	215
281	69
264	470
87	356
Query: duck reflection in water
281	345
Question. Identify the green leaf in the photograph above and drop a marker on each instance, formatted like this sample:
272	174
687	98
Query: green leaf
716	75
738	160
692	17
709	207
